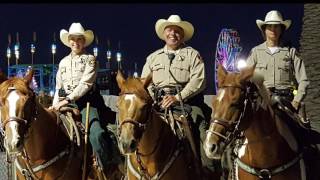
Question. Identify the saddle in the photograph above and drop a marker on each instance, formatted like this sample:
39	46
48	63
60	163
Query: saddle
299	117
71	120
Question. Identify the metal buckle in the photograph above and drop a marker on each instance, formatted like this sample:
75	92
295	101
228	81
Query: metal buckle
265	174
26	174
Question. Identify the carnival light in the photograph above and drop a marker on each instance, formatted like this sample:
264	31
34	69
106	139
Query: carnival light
16	52
95	51
8	59
241	64
33	48
135	73
53	48
51	93
8	53
109	55
118	56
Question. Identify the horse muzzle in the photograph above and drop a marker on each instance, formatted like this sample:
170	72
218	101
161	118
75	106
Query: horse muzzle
13	146
12	140
213	150
127	146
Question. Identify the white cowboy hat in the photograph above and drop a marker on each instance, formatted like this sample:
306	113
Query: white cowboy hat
76	29
273	17
187	27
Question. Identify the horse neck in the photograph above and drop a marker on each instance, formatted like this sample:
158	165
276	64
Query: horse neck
262	124
264	141
157	140
44	136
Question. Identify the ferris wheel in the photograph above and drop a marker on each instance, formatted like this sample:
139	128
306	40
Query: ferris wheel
227	51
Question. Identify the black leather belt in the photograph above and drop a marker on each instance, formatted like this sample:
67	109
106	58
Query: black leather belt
281	92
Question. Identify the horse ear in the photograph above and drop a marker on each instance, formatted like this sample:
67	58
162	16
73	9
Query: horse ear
222	72
3	77
146	81
28	77
247	73
120	79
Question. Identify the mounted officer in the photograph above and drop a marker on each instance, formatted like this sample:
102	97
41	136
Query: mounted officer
76	85
178	75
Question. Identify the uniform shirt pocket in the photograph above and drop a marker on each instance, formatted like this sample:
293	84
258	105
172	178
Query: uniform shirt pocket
158	73
262	67
181	72
284	68
79	70
63	71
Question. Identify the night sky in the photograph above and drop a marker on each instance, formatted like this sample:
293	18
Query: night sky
133	26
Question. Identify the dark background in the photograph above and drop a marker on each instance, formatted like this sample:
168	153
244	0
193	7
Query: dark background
133	26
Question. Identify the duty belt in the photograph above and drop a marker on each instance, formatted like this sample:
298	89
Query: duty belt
281	92
162	91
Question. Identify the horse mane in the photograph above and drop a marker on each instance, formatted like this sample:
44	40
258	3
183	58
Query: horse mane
258	79
135	86
17	83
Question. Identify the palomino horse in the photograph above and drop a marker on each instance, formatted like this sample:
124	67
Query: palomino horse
153	151
33	134
242	107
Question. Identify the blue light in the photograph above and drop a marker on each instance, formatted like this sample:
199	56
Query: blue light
95	51
16	47
53	48
118	56
33	48
108	54
8	52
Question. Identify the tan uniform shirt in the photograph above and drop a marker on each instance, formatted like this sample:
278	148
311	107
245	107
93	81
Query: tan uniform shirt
76	75
187	68
280	70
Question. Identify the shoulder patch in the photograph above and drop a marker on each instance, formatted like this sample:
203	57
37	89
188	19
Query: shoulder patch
92	62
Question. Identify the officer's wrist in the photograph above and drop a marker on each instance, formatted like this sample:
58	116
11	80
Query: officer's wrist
67	99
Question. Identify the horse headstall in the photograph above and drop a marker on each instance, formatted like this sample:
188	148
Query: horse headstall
141	125
25	121
232	127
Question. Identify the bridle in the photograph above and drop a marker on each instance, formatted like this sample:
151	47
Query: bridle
232	127
142	126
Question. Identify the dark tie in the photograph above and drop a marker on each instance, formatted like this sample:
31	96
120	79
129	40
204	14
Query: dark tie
171	56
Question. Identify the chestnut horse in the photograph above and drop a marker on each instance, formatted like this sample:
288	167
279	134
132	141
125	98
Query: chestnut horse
242	107
153	151
33	135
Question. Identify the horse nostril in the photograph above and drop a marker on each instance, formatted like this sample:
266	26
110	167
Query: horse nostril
19	143
133	144
213	148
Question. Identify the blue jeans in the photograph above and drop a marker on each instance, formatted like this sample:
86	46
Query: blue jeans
100	140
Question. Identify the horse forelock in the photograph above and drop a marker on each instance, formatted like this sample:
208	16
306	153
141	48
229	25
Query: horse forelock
231	79
135	86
